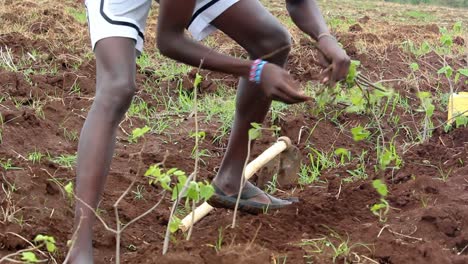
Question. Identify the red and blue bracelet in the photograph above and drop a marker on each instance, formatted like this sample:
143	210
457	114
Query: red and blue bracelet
256	71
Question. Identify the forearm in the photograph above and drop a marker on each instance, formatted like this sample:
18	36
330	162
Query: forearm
307	16
195	54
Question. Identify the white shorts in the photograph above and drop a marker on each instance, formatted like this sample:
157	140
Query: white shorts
127	18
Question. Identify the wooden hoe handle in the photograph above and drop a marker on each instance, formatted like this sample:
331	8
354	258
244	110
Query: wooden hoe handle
201	211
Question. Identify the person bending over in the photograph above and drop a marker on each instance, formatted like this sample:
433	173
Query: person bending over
117	34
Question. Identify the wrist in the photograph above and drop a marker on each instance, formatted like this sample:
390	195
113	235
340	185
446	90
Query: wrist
256	70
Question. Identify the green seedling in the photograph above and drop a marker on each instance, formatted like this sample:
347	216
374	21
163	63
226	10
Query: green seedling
35	157
461	72
138	133
359	133
29	257
8	165
139	192
428	108
174	180
381	209
69	191
388	155
344	154
49	242
66	161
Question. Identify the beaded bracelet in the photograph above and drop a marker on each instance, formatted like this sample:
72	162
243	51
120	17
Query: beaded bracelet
256	71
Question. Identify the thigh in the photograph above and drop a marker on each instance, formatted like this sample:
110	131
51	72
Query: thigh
253	27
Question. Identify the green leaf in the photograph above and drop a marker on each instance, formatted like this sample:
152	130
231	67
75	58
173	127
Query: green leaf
51	247
463	72
29	257
414	66
138	132
254	133
193	191
447	70
457	27
360	133
378	207
256	125
206	191
198	80
446	40
353	72
69	189
380	187
174	224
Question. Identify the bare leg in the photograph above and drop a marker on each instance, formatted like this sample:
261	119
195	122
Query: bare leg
115	87
258	32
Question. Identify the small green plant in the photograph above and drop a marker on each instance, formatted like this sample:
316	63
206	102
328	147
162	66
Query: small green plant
381	209
48	241
138	133
219	241
66	161
174	180
29	257
70	135
387	155
359	133
428	108
69	190
35	157
343	154
139	192
8	165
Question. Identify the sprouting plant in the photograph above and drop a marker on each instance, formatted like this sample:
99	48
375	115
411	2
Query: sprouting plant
66	161
428	108
219	240
35	157
8	165
69	190
352	73
387	155
381	209
139	192
174	180
138	133
344	154
29	257
359	133
48	241
271	185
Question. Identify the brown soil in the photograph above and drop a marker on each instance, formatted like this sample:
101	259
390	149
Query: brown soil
428	221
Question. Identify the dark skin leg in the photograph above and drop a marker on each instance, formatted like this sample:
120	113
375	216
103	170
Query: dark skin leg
259	33
115	86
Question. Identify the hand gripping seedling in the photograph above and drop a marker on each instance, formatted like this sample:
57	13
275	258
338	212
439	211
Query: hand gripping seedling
289	167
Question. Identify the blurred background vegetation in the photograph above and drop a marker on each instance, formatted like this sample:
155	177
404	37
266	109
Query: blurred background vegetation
450	3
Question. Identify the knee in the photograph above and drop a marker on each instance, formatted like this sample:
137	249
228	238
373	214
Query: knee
114	96
274	46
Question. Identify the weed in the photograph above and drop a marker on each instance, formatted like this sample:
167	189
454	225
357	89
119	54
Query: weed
78	14
138	133
69	191
344	155
381	209
35	157
66	161
139	193
70	135
174	180
359	133
8	165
